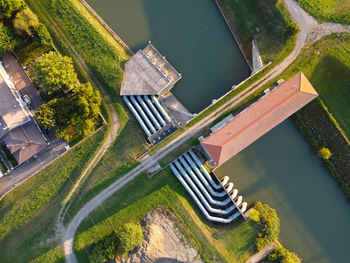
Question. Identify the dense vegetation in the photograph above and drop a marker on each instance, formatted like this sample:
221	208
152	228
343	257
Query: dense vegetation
328	10
9	7
269	223
7	39
281	255
52	73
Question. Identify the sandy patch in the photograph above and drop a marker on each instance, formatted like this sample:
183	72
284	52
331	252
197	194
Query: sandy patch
163	242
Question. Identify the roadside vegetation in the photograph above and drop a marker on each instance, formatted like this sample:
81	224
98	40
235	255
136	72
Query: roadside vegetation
268	21
328	10
28	213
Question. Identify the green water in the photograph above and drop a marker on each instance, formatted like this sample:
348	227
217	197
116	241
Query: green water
280	170
191	34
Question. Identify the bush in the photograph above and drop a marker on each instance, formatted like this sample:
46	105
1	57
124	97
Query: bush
130	236
8	7
105	249
291	29
23	22
41	34
324	153
269	224
7	41
281	255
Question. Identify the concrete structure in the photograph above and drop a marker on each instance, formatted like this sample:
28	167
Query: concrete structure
273	108
148	73
18	130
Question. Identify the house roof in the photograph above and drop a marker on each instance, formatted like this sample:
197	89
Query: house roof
11	113
259	118
24	141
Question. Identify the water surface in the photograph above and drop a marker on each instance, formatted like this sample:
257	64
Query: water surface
192	35
280	170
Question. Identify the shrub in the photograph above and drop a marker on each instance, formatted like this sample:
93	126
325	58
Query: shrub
41	34
324	153
269	225
282	255
97	254
7	41
291	29
130	236
45	115
8	7
23	22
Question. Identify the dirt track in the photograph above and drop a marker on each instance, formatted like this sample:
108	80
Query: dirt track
299	16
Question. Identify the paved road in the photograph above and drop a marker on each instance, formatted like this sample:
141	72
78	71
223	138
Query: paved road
69	232
30	168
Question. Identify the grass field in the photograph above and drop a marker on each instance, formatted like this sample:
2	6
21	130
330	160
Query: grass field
327	65
328	10
222	243
264	19
29	212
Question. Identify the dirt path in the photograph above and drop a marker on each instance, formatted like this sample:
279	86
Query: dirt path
299	16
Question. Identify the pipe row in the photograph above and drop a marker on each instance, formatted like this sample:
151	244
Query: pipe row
150	104
137	116
199	204
144	106
160	108
195	158
144	116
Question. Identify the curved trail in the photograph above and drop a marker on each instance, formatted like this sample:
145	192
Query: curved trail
300	17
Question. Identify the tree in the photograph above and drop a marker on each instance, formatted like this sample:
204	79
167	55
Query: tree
7	41
53	72
8	7
41	34
281	255
97	254
45	115
130	236
269	225
324	153
23	22
291	29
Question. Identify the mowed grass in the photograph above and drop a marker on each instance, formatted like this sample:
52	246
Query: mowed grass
220	243
327	65
29	212
328	10
264	19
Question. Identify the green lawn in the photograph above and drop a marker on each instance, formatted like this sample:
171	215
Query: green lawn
265	19
29	212
231	243
328	10
327	65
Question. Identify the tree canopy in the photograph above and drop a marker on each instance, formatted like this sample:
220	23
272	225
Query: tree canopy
8	7
72	116
7	41
281	255
52	72
41	34
130	236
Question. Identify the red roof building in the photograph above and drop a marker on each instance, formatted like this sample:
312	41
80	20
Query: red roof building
259	118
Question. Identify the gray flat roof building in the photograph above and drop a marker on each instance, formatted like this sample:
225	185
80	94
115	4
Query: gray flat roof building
148	73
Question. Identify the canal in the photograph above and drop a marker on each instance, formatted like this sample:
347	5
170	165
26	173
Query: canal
191	34
280	170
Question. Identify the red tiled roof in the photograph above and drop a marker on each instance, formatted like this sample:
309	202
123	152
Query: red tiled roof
259	118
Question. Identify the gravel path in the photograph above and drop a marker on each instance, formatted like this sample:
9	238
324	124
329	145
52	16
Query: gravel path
306	25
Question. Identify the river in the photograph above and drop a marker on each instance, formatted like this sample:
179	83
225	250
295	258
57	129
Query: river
279	168
193	37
